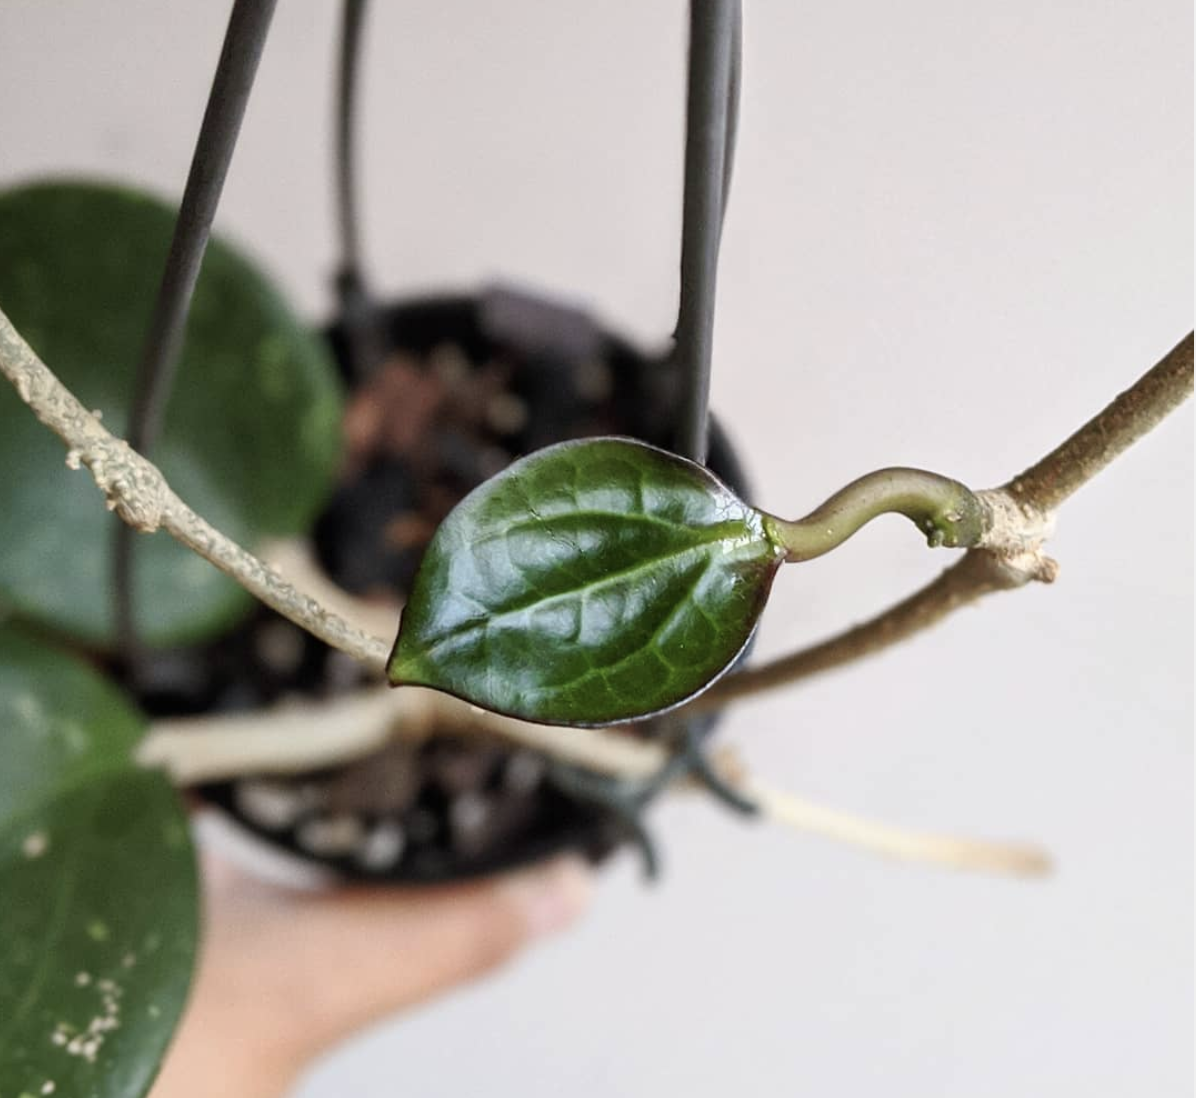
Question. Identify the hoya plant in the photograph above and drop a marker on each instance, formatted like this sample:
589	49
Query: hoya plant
604	580
582	591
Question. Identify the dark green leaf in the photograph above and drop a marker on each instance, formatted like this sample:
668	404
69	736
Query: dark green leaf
592	582
98	902
251	433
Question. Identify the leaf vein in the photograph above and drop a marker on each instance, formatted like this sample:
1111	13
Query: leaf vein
486	622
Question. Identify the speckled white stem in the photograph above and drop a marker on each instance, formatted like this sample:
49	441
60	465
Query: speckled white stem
136	490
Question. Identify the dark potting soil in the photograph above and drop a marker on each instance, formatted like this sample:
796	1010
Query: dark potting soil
454	389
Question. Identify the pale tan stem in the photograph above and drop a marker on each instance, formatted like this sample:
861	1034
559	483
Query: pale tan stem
1018	859
843	827
293	738
286	739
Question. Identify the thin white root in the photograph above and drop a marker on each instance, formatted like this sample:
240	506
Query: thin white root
1015	859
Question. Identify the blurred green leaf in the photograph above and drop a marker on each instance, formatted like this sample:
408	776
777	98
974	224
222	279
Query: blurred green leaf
593	582
98	897
251	435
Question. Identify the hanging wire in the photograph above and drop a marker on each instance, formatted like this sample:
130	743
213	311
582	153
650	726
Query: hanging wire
713	89
243	42
711	129
347	217
358	315
734	88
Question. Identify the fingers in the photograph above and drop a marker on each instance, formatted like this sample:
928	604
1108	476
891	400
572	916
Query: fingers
379	951
283	975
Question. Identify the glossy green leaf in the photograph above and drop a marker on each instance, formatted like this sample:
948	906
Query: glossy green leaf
98	899
591	582
251	434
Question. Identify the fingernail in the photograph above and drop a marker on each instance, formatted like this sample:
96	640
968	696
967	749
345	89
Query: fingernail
552	896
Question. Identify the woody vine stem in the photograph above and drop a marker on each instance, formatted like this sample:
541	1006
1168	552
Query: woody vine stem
1004	529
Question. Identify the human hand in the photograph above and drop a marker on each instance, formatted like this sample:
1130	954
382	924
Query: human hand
283	975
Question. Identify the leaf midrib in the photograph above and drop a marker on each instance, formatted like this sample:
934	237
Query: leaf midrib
476	624
544	522
635	653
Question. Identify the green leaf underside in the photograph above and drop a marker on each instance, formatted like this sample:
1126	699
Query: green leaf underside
592	582
252	430
98	896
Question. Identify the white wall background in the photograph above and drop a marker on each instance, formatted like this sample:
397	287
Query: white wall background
957	229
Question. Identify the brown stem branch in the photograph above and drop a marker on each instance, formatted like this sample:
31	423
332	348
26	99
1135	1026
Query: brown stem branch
1012	557
1108	434
977	574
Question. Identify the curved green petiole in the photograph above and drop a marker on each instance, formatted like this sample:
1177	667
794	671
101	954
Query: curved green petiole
947	512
